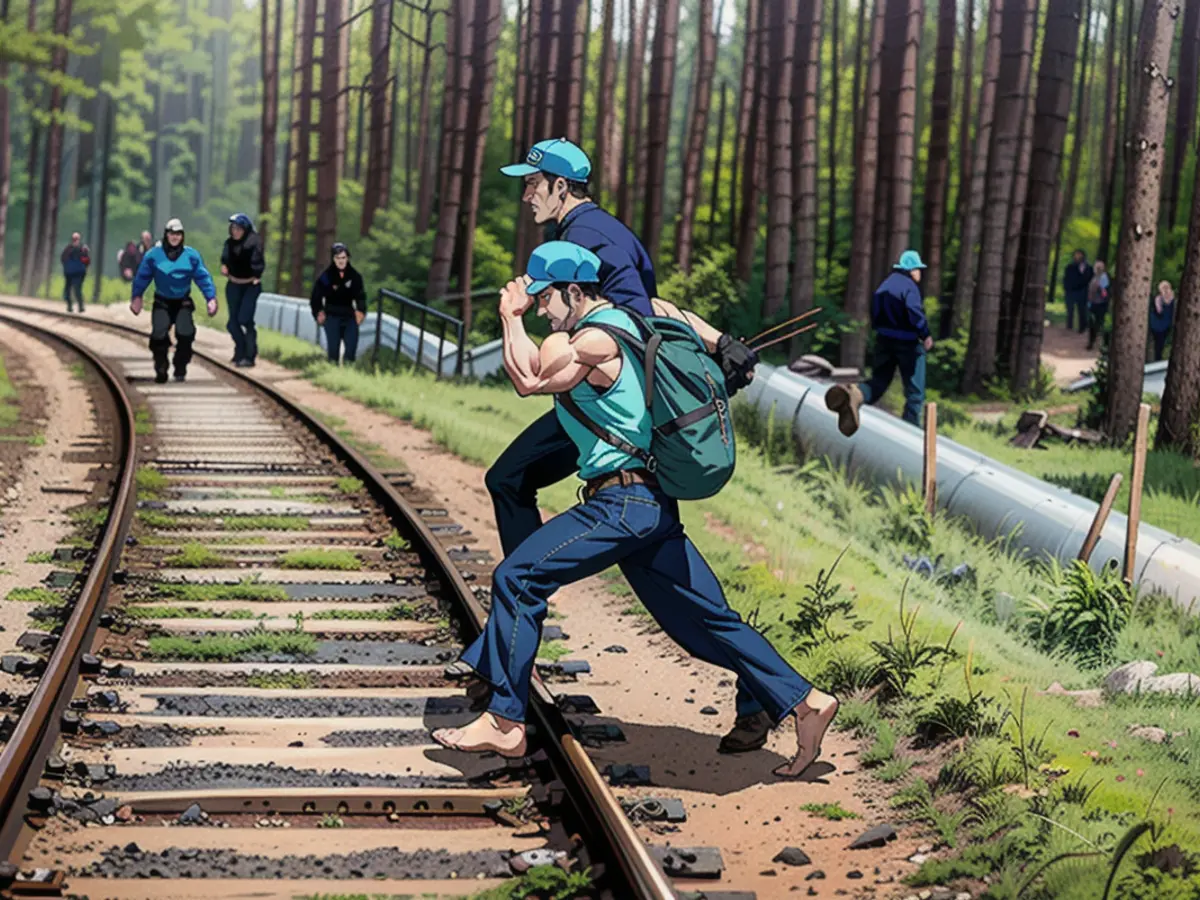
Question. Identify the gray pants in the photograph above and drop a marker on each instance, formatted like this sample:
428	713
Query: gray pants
168	312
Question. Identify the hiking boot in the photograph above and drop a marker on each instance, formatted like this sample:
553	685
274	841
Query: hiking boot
160	377
245	364
181	376
845	399
748	733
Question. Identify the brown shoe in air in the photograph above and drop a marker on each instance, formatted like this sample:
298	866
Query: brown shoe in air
748	733
845	399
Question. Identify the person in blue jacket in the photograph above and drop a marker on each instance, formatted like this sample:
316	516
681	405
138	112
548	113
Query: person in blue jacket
902	339
75	260
173	267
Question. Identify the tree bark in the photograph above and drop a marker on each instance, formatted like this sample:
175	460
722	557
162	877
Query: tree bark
742	139
754	162
1053	109
1108	161
302	145
5	146
568	90
658	122
424	159
449	205
980	363
781	42
626	196
937	172
967	57
330	146
270	38
895	27
859	275
906	111
374	196
604	99
1177	423
715	199
834	113
1139	218
1185	110
48	232
804	159
693	159
101	232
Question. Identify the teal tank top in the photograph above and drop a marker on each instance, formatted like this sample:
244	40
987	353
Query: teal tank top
620	409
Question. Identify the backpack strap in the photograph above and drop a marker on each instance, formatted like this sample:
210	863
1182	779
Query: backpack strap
646	459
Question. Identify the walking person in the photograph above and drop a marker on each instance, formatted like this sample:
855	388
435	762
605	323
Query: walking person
242	263
1162	317
1098	291
173	268
902	339
75	261
625	518
129	259
1076	278
339	304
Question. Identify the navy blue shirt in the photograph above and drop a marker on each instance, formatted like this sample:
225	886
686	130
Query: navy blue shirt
626	272
897	310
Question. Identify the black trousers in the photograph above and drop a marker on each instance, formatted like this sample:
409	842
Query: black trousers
168	312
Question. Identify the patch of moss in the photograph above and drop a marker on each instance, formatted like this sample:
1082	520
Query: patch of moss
151	483
231	648
349	485
281	681
39	556
195	556
185	612
342	560
199	593
388	614
834	812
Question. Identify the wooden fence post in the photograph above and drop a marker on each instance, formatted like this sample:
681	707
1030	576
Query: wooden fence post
929	481
1106	505
1136	481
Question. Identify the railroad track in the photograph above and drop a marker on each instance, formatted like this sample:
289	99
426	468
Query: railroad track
239	699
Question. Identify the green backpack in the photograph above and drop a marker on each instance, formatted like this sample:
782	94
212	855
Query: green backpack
692	445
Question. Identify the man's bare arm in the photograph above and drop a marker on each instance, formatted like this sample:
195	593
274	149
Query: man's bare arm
709	335
559	364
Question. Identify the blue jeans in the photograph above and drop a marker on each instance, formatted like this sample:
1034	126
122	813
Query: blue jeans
638	529
242	300
907	356
73	286
541	455
338	329
1077	305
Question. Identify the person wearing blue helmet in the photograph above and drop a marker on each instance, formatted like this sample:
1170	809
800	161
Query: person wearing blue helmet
243	264
624	518
902	339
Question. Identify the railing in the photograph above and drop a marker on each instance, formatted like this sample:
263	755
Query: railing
444	321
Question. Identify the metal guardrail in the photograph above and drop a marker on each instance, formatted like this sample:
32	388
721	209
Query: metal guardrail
444	320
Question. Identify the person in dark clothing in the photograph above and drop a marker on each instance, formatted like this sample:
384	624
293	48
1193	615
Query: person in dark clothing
1097	296
242	263
1076	278
339	304
75	261
1162	316
129	260
902	339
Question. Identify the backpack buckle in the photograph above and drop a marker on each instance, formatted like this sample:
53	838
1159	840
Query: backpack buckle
651	464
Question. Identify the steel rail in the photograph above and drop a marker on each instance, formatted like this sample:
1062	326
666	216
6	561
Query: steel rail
21	754
643	878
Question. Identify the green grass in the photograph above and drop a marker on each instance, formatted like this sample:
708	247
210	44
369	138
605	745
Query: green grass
394	542
152	518
281	681
142	423
553	651
349	485
77	370
185	612
10	410
388	614
89	518
265	523
39	556
195	556
40	595
834	812
151	483
342	560
200	593
231	648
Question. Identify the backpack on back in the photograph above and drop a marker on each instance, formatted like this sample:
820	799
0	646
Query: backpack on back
692	445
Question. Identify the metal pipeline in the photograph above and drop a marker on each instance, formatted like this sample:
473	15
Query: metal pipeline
1050	521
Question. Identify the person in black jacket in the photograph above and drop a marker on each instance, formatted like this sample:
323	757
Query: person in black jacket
242	262
75	262
339	303
1076	278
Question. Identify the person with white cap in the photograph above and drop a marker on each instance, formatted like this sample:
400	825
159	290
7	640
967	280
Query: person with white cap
173	268
902	339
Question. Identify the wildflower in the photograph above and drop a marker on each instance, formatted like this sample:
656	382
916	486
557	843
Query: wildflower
1074	732
1120	778
1141	773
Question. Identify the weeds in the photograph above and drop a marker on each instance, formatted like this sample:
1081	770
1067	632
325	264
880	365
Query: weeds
199	593
281	681
542	883
349	485
39	557
1086	614
895	769
89	518
39	595
341	560
331	820
152	518
151	483
185	612
905	521
195	556
142	423
810	626
883	749
553	651
901	659
389	614
231	648
834	812
265	523
395	542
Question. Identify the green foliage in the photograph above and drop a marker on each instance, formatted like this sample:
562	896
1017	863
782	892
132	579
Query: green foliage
39	556
281	681
231	648
142	423
906	522
349	485
395	542
834	812
944	365
342	560
542	883
151	483
553	651
709	291
388	614
265	523
1095	411
810	626
152	518
89	518
139	611
39	595
331	820
883	749
903	655
200	593
1084	614
195	556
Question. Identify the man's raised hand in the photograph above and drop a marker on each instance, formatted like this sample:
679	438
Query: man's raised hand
514	301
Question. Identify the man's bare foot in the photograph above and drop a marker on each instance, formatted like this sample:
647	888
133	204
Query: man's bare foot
487	734
813	718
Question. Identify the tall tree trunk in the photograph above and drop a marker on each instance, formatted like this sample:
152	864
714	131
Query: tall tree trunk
48	232
568	98
895	26
753	177
658	122
781	43
605	97
614	140
302	127
937	172
101	174
834	113
462	22
329	165
693	159
1108	160
968	256
374	197
5	147
980	363
521	79
626	198
487	34
906	111
526	236
424	160
1181	399
804	159
33	158
859	275
716	173
270	109
742	137
967	60
1053	108
1139	217
1185	110
856	101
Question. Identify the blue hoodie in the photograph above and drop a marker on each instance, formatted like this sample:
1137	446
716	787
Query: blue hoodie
173	278
897	310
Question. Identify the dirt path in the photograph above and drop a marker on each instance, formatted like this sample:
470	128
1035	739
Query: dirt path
1066	353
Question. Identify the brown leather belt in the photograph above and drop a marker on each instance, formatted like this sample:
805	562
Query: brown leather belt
622	477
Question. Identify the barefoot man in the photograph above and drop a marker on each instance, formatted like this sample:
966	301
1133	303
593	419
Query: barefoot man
625	519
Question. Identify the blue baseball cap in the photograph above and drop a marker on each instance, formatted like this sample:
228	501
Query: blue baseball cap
909	260
561	261
557	156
